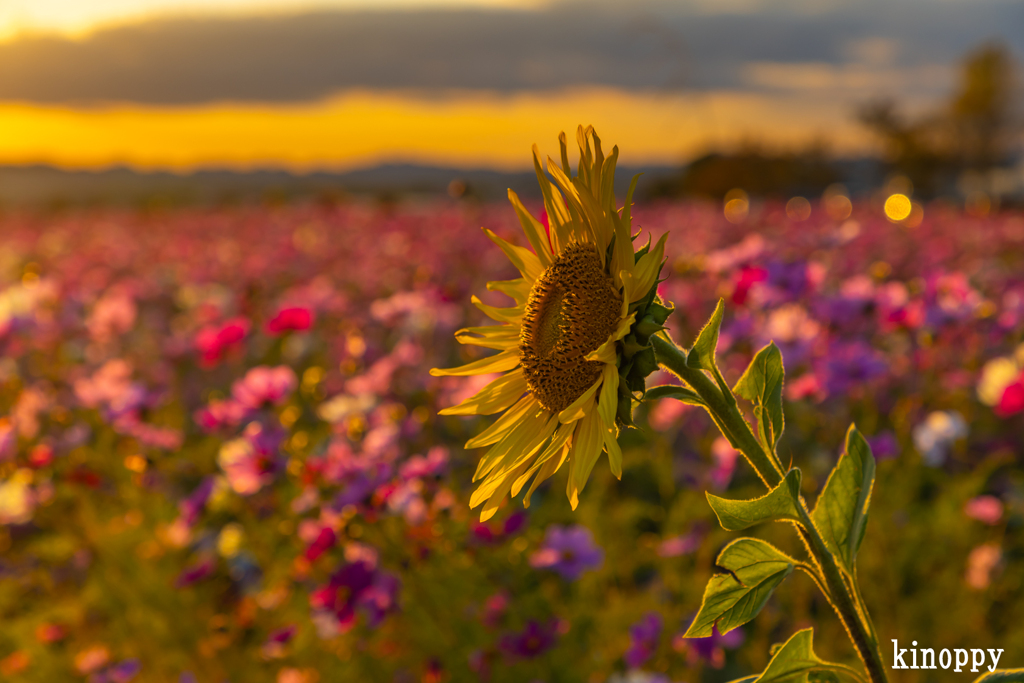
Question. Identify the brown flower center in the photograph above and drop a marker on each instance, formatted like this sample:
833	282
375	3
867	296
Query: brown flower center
573	308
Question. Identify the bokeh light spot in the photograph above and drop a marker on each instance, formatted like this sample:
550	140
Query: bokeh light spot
798	209
737	206
898	207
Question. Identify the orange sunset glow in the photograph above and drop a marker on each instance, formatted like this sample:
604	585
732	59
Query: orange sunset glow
357	129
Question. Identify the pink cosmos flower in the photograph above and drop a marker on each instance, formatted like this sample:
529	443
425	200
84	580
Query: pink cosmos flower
985	509
219	414
264	385
113	315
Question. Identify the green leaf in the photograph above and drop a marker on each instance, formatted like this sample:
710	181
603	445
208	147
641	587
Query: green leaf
795	662
761	383
1002	676
754	568
841	512
779	503
702	355
683	394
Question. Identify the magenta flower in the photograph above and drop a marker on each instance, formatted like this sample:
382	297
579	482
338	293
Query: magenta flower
295	318
264	385
1012	401
644	637
532	641
323	542
195	572
213	342
569	551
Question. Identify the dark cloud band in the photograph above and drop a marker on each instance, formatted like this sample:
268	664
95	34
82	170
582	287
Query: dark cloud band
310	56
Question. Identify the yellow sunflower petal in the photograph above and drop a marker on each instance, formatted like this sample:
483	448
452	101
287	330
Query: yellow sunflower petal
606	351
627	219
499	337
646	271
577	409
608	180
521	438
499	362
589	442
622	252
523	259
611	444
497	497
504	424
535	232
493	398
558	214
518	290
550	466
502	315
516	459
608	401
555	446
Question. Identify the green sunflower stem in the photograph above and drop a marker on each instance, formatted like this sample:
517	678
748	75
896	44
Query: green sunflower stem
843	596
724	411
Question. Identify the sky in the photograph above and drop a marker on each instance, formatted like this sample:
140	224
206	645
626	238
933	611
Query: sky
340	84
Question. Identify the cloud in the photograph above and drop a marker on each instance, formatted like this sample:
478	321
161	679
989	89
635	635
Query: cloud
649	45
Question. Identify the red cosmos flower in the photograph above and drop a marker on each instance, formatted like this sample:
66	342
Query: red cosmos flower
1012	401
213	342
295	318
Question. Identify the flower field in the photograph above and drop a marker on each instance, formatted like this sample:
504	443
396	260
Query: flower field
221	457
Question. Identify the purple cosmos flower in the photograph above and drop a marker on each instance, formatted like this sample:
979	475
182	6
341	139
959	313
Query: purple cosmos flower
710	649
884	445
850	365
357	585
570	551
118	673
644	636
533	640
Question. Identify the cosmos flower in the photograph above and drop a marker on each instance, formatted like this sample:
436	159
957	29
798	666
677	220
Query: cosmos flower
296	318
569	551
570	333
533	640
644	637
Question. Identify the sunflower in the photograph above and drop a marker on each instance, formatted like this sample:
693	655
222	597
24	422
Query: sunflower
571	349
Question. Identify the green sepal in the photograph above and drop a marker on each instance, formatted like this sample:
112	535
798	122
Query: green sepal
753	568
660	310
631	347
644	363
647	327
702	355
841	511
624	409
687	396
778	504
